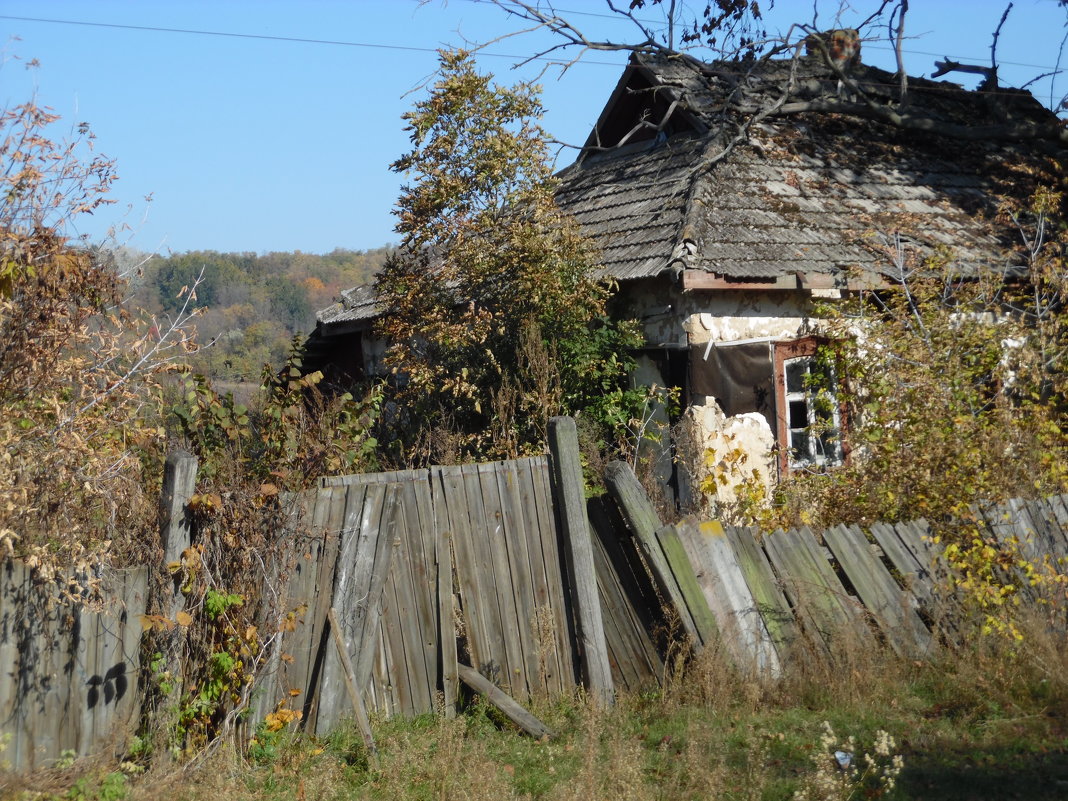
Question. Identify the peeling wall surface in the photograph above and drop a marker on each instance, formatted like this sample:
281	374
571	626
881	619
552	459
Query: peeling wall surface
736	315
713	443
723	452
671	317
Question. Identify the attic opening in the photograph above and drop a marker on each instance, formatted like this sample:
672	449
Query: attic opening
641	111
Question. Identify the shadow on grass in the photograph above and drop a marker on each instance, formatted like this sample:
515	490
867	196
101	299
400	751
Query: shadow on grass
998	774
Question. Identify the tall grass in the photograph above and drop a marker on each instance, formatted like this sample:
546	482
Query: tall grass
983	721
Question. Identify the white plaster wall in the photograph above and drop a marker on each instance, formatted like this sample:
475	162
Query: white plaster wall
735	315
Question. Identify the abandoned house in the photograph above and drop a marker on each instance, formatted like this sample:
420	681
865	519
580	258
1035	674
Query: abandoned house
728	199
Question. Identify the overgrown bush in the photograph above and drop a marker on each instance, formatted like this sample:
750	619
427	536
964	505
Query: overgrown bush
79	374
494	318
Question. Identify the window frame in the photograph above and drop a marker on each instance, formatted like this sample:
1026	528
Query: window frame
802	348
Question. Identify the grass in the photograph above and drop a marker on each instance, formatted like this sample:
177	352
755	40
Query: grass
987	722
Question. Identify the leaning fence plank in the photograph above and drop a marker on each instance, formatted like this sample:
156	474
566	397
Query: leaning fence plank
1050	532
629	609
915	575
885	602
571	498
515	713
693	602
768	595
643	522
998	519
358	708
814	590
723	585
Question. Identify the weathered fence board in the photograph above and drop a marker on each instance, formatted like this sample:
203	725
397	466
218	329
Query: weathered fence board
723	584
889	607
355	592
68	672
692	603
823	604
766	590
570	494
631	611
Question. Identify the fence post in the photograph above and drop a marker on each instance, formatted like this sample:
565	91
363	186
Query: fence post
571	497
179	482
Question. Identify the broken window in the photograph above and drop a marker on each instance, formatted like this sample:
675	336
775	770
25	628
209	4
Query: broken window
785	382
809	412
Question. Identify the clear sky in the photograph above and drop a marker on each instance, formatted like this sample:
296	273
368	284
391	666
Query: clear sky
264	144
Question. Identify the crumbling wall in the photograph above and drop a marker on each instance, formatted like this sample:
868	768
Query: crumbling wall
720	455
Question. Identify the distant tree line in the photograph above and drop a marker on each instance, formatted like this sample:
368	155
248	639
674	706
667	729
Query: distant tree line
250	306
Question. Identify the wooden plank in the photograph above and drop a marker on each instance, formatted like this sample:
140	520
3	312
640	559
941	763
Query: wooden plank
485	605
814	590
416	592
179	484
767	593
358	708
509	658
643	521
446	614
627	609
916	576
512	710
1013	538
368	519
1050	533
693	602
723	585
565	676
546	664
468	575
885	602
571	501
367	625
323	600
613	614
398	684
302	583
525	675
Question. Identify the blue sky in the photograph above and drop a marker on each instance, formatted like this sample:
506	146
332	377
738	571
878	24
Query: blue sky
250	144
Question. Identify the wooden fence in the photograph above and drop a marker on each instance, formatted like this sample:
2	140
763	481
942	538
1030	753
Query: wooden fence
428	568
68	672
770	594
507	568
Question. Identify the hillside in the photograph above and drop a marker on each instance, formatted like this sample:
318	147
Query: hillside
252	305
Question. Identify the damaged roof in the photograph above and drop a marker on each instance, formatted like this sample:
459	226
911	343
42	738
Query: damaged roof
803	191
685	173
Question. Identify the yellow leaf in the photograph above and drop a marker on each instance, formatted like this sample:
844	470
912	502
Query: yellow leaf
183	618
